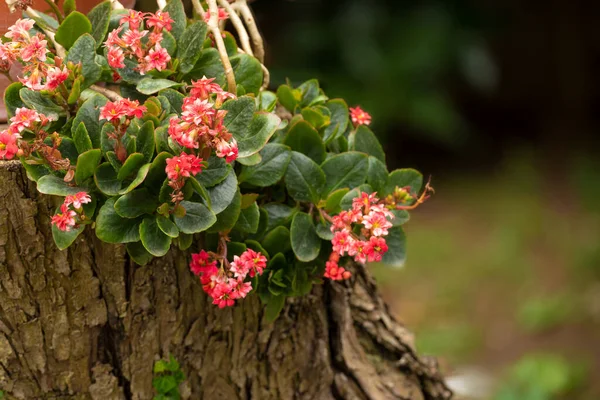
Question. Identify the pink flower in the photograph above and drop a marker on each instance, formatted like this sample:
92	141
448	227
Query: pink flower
240	289
133	108
197	111
34	80
375	248
115	57
183	133
160	20
357	250
202	264
112	111
9	51
364	201
333	271
359	116
78	199
183	166
55	76
134	18
133	39
202	88
229	151
342	241
8	144
377	223
222	15
65	219
157	58
24	118
344	219
36	49
113	39
250	263
20	30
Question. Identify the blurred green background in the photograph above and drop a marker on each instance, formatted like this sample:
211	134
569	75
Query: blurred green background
497	101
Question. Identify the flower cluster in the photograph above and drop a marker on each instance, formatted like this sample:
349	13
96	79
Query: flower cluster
372	219
225	285
136	43
39	72
65	219
24	118
178	169
359	116
201	123
114	111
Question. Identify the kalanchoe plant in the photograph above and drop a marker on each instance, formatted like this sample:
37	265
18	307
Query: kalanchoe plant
158	130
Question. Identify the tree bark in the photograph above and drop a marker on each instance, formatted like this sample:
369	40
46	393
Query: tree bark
87	323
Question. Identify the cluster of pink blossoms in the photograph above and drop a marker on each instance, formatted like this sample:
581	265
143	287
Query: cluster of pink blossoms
227	286
136	43
31	51
178	169
65	219
24	118
113	111
373	219
359	116
201	123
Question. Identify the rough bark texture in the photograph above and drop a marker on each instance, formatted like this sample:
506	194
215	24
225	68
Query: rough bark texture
87	323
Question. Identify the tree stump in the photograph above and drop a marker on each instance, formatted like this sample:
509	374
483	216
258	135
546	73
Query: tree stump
88	323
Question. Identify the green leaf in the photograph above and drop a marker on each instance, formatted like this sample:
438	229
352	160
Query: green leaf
50	184
99	17
332	204
189	46
215	172
227	218
345	170
275	159
364	140
305	241
310	92
34	172
72	27
250	160
288	97
75	92
67	148
167	226
197	218
137	181
145	140
106	179
304	178
68	7
396	254
112	228
278	240
136	203
248	219
252	131
377	175
81	138
201	190
138	253
150	86
12	98
324	231
185	241
405	177
156	174
248	72
169	43
154	240
274	307
177	13
305	139
339	119
209	64
222	194
279	214
84	51
89	115
40	103
86	165
131	75
64	239
175	99
45	21
266	101
131	165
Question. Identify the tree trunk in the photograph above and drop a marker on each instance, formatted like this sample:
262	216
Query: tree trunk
89	323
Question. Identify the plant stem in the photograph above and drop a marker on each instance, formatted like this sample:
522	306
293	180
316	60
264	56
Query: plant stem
56	10
238	25
114	96
259	49
213	24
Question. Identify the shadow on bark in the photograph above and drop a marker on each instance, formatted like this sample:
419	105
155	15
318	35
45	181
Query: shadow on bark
89	323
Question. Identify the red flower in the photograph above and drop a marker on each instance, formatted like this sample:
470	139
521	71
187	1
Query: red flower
24	118
229	151
78	199
202	264
116	57
133	18
8	144
375	248
160	20
359	116
183	166
65	219
55	76
157	58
